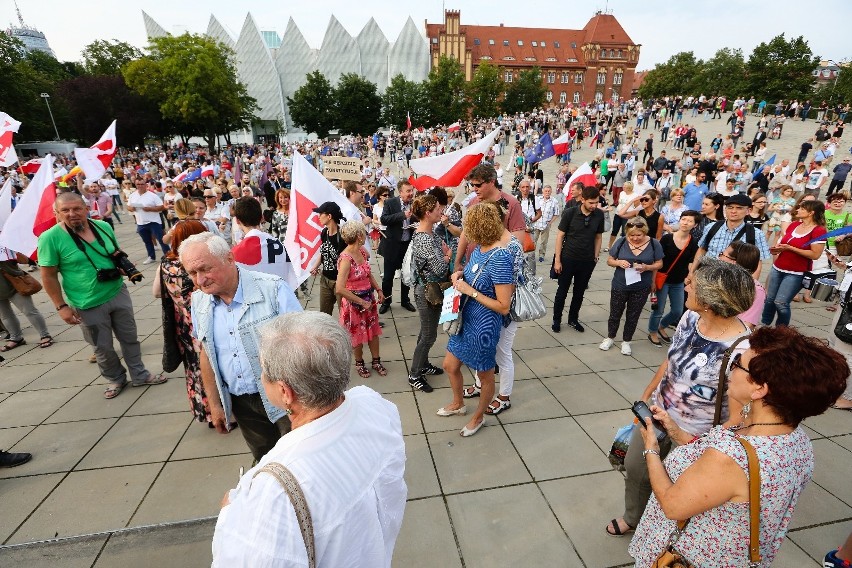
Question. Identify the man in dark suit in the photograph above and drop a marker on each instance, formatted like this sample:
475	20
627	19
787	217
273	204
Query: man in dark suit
396	216
272	185
758	138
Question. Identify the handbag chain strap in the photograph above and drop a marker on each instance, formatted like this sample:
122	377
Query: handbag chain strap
297	498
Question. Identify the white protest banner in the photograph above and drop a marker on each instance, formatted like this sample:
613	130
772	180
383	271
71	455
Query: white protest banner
339	167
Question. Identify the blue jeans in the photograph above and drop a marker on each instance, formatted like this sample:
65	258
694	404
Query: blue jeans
673	293
780	290
149	231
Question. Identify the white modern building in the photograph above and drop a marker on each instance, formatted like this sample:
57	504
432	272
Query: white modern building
33	39
272	67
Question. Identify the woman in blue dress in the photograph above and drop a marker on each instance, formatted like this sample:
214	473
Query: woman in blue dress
486	285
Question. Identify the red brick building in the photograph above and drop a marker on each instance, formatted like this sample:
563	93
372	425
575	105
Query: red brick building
577	66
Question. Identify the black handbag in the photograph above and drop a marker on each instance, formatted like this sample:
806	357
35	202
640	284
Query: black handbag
843	328
171	352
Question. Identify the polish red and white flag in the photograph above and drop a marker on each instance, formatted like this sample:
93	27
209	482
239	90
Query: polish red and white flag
30	166
95	160
208	171
584	174
449	170
561	144
8	127
408	120
33	212
454	127
310	190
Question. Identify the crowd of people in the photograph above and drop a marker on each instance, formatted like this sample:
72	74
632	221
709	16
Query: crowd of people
688	227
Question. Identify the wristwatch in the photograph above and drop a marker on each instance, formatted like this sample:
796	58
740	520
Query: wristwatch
475	295
646	452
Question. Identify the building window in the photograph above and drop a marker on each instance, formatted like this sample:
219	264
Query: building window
508	58
564	78
598	97
573	45
551	59
490	42
616	79
555	44
578	77
434	40
620	54
520	43
542	44
506	42
601	77
551	76
508	76
576	97
534	44
529	58
476	41
549	96
563	96
571	60
486	57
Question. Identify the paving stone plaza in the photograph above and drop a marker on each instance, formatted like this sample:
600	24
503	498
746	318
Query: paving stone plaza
532	488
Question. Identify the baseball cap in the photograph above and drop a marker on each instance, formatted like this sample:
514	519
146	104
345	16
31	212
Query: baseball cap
739	199
330	208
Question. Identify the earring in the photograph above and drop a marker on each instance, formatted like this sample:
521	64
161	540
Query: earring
746	409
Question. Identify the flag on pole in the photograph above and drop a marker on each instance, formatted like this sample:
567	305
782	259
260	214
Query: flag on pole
5	202
448	170
208	171
238	169
560	145
191	175
770	161
33	213
310	190
8	127
454	127
30	166
542	150
407	120
95	160
584	175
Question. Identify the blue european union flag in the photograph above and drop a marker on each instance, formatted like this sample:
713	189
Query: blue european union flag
770	161
193	175
542	150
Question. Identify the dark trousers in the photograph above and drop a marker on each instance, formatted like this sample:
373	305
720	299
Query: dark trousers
150	231
260	434
393	262
835	185
633	301
580	271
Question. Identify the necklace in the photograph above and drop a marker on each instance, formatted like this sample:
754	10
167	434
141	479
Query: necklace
709	339
741	427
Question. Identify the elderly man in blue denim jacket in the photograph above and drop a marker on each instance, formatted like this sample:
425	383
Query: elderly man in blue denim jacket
228	307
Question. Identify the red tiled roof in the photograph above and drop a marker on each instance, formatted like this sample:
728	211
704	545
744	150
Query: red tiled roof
605	29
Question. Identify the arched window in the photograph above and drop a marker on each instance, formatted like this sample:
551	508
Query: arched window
576	97
563	96
549	96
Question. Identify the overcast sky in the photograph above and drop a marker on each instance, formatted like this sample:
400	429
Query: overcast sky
662	27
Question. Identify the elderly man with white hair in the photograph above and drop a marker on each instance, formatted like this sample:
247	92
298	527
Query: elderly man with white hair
228	306
331	492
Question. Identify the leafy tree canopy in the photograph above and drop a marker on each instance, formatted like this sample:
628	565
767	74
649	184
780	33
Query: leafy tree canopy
358	105
312	106
102	57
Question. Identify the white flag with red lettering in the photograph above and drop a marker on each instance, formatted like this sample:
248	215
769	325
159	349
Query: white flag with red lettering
33	213
310	190
262	252
8	127
95	160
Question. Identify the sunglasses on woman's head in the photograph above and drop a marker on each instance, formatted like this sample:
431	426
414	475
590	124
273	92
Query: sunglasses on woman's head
633	225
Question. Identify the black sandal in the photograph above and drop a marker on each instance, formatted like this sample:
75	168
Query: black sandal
12	344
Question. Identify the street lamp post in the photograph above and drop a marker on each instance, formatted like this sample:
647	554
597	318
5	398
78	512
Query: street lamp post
46	96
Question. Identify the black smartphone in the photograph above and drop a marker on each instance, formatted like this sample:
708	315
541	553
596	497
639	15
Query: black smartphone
641	411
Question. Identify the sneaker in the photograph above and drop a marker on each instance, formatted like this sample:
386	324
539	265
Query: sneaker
606	344
12	460
432	370
625	348
149	260
576	325
420	384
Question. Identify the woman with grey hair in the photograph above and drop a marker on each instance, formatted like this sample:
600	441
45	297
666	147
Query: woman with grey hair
343	461
686	383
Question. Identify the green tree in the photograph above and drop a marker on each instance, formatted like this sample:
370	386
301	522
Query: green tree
722	74
525	93
485	91
312	107
401	98
358	105
841	89
676	76
445	90
781	69
102	57
193	80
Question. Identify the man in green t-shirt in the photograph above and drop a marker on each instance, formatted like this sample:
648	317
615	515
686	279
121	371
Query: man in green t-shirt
81	251
835	217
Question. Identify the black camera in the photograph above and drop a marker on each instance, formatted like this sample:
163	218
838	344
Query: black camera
108	274
123	265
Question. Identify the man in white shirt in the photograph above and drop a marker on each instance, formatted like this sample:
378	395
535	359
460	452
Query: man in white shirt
816	179
345	455
146	207
549	207
640	183
218	212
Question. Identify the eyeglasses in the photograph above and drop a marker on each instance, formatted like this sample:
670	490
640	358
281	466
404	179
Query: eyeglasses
735	362
476	185
645	199
209	197
634	224
729	257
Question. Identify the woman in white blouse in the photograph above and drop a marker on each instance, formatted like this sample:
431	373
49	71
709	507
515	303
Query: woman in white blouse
345	452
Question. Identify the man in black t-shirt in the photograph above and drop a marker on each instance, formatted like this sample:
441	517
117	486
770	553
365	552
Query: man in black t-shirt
578	245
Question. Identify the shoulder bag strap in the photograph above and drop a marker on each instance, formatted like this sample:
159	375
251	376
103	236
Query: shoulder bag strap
300	505
677	258
753	502
721	388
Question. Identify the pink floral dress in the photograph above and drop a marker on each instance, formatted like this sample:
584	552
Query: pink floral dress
362	324
720	537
